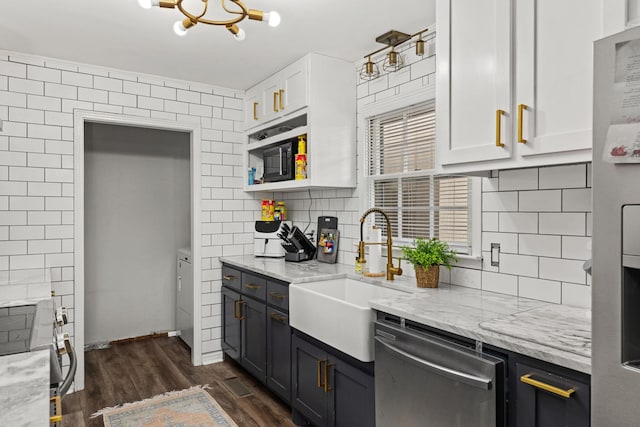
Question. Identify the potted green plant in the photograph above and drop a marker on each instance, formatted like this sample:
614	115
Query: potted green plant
427	256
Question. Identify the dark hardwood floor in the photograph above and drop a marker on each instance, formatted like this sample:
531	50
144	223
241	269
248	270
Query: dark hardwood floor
138	370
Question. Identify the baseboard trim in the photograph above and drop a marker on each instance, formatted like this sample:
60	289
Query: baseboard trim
214	357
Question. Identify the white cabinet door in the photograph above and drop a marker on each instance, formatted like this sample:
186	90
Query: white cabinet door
554	63
270	98
474	119
253	109
293	94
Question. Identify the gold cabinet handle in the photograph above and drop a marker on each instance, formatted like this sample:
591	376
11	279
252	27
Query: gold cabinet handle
499	114
281	97
240	305
547	387
275	101
320	376
279	318
521	108
327	387
229	277
255	111
277	295
235	309
252	286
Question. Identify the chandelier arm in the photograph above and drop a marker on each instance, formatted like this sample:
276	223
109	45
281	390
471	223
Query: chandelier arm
244	11
192	17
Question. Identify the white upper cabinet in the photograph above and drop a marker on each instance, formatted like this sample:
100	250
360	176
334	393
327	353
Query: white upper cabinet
281	94
529	65
316	96
473	99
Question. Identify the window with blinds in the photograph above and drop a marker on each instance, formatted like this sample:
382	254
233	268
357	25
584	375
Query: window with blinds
401	158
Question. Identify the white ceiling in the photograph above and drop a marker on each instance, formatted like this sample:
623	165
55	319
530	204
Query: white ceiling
120	34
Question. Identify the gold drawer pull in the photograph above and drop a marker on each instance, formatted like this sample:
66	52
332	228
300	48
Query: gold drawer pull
327	387
275	101
255	111
277	317
252	286
499	114
320	377
229	277
547	387
521	109
235	309
277	295
280	96
240	304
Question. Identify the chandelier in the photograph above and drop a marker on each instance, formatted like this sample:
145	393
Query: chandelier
237	13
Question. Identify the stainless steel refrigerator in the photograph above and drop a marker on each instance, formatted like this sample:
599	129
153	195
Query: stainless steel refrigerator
615	397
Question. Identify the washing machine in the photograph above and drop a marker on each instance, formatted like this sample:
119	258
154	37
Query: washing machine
184	296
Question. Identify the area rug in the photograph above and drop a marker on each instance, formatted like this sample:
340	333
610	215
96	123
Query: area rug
185	408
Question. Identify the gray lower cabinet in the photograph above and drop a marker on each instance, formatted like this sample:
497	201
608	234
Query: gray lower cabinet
329	391
255	327
231	332
279	353
550	399
254	331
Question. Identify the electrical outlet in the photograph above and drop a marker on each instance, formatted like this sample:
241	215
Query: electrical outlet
495	254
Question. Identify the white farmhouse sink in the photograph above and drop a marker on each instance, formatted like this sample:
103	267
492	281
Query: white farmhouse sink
337	313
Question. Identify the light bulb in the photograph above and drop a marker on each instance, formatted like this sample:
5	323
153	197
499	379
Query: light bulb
179	28
240	35
272	18
148	4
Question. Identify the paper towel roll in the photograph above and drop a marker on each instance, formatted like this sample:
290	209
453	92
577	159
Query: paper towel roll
374	263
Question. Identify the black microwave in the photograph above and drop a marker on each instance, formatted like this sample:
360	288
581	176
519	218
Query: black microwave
279	161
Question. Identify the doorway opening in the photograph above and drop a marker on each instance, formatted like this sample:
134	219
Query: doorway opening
136	212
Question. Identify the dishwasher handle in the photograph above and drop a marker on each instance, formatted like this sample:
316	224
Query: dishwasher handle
472	380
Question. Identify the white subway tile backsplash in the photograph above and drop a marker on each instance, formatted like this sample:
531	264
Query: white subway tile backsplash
43	103
544	290
576	247
540	201
540	245
522	265
13	69
44	246
513	222
563	223
13	247
518	179
24	262
466	277
570	176
26	86
564	270
107	83
576	295
576	200
502	283
43	74
26	232
77	79
93	95
13	99
20	203
56	90
43	218
500	202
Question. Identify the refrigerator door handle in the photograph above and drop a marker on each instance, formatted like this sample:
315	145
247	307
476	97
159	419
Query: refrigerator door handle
473	380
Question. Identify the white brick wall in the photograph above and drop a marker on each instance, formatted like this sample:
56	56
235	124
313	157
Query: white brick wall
37	100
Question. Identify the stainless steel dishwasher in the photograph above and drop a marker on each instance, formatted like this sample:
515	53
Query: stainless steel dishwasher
423	379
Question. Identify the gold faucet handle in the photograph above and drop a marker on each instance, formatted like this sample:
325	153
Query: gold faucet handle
398	271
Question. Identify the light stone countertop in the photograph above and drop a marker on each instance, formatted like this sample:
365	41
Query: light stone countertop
553	333
24	389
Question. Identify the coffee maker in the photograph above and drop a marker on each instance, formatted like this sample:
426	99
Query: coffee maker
266	242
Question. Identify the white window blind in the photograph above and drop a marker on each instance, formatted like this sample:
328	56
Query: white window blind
401	158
